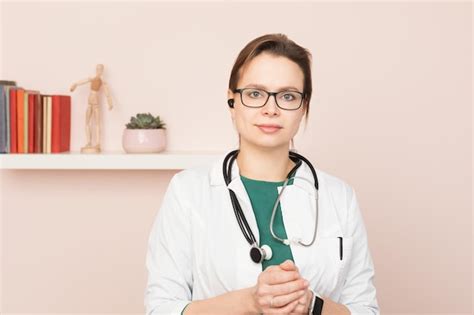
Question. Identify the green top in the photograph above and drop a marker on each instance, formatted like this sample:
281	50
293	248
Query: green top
263	195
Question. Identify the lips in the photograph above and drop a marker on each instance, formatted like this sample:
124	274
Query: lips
269	125
269	128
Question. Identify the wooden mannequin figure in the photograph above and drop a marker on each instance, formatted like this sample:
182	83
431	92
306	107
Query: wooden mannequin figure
93	109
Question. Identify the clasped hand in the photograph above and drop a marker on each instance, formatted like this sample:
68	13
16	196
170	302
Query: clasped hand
280	289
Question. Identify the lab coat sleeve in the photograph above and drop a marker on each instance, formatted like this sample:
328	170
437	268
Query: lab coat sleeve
168	259
359	293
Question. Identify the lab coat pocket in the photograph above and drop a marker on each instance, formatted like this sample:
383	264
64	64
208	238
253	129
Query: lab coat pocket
344	265
326	264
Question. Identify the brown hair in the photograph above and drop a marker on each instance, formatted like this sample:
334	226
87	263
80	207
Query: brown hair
278	45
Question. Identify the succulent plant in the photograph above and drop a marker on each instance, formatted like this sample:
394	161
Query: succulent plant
145	121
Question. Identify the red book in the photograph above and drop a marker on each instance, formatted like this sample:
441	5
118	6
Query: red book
13	128
38	145
20	122
61	123
65	125
31	122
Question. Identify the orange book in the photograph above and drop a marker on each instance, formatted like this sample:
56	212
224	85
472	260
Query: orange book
20	116
65	124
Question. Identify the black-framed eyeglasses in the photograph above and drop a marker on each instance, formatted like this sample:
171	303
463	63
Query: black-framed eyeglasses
255	98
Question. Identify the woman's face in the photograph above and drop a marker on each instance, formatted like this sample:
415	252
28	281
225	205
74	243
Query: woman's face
273	74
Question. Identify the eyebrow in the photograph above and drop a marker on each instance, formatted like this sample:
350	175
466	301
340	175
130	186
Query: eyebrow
284	88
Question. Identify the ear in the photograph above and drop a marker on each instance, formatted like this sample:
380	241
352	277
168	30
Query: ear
230	96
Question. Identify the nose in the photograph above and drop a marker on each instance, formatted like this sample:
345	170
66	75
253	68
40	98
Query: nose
271	108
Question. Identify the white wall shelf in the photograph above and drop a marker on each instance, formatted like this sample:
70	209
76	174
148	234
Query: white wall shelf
168	160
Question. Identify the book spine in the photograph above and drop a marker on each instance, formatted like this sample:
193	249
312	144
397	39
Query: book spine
5	87
13	121
45	122
55	131
25	122
31	123
20	120
7	109
3	121
49	125
65	123
38	124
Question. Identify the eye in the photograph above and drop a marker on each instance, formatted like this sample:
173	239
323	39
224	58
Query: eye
253	93
288	96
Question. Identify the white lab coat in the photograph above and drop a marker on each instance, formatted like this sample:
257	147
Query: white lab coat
196	249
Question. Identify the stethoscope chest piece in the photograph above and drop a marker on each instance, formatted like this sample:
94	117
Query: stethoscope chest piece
259	254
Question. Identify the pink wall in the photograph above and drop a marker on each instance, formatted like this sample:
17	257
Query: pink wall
391	115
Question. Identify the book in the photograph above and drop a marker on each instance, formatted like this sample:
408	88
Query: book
61	123
44	106
49	113
3	115
7	107
25	122
20	122
38	141
30	97
7	82
3	121
13	122
31	122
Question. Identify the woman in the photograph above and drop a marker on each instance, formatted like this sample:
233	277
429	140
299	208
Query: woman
228	240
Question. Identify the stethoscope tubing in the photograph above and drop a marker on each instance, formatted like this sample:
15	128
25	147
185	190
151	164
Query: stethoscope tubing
242	221
275	206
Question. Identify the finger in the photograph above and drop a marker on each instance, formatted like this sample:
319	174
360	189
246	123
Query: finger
282	300
287	288
303	304
283	310
307	296
300	309
276	276
289	268
288	265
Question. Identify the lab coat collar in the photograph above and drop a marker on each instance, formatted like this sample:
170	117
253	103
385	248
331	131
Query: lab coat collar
304	177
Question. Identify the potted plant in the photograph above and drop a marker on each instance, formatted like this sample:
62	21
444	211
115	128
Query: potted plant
144	134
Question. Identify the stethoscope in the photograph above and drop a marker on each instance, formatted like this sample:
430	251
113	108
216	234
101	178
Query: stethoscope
258	254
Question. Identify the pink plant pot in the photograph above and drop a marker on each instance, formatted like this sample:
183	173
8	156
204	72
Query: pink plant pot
144	140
